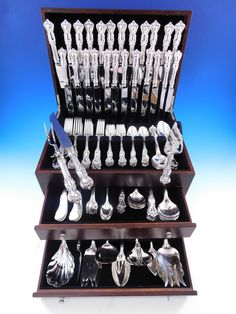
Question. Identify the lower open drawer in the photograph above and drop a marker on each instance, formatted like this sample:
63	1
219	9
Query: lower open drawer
141	280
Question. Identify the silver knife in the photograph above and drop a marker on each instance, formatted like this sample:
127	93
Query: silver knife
49	27
124	83
155	82
135	89
107	88
179	28
79	39
147	82
169	29
76	81
85	181
170	95
115	92
87	85
167	66
145	29
96	87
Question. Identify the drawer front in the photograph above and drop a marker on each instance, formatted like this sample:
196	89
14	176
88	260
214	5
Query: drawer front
141	280
130	224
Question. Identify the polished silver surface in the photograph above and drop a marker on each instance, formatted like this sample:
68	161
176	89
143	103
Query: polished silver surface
66	26
134	89
132	131
155	27
143	131
89	26
133	28
88	131
122	26
121	204
76	211
90	267
121	131
124	83
92	205
147	82
136	200
79	27
101	29
179	28
107	253
61	267
167	210
49	27
138	257
152	212
110	131
106	210
121	269
62	209
145	30
110	34
158	160
167	67
152	266
107	88
100	129
169	268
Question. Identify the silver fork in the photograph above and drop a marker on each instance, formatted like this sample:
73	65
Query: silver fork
96	162
121	131
88	130
110	131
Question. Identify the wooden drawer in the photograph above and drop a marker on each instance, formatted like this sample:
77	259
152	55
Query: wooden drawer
131	224
141	281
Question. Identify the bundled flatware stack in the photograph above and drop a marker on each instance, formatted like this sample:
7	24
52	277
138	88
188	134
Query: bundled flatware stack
133	73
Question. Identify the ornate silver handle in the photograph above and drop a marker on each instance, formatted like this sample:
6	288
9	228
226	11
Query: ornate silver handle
49	27
115	64
107	61
133	159
133	28
122	160
155	26
75	66
86	182
62	74
122	26
179	28
94	61
86	160
101	29
96	162
86	65
79	27
149	61
145	157
157	63
136	56
124	65
109	160
110	34
175	66
89	26
169	28
168	59
66	26
145	29
74	196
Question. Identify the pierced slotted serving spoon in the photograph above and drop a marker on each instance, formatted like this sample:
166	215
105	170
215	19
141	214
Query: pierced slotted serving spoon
121	268
170	269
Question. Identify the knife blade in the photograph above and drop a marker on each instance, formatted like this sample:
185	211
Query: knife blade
170	97
168	59
76	82
124	85
107	88
85	181
147	82
87	86
155	82
135	89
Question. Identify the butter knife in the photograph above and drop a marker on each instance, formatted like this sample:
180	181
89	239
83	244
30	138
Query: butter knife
96	86
115	91
87	85
168	60
107	88
135	89
124	84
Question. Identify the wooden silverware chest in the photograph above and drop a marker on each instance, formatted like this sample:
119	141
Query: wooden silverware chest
132	224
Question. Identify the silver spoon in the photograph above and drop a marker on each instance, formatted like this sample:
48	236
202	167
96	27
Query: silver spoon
121	268
152	212
137	257
143	131
168	210
132	131
106	209
169	268
92	205
107	253
158	160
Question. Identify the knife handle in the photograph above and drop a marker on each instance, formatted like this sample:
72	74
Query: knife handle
101	29
94	61
157	63
79	27
89	26
122	26
75	66
49	27
74	195
169	28
124	65
149	62
107	61
86	65
175	66
115	64
168	59
86	182
110	34
136	57
179	28
133	28
63	64
66	26
145	29
155	26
